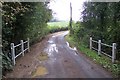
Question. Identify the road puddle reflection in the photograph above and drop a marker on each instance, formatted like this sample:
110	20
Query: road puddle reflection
52	48
51	42
53	36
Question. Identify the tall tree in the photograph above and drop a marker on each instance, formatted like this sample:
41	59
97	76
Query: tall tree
101	21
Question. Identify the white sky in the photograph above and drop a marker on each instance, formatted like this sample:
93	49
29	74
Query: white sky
62	9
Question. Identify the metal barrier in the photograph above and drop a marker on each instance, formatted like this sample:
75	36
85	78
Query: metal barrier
22	49
113	46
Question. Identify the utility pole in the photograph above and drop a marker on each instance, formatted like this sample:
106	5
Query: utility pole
70	19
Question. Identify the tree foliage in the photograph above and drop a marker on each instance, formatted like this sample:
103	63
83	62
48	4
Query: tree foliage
22	20
100	21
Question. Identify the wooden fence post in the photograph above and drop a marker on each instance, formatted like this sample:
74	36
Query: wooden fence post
28	44
22	47
90	42
113	52
13	53
99	47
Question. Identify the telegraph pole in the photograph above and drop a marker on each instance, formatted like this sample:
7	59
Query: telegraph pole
70	19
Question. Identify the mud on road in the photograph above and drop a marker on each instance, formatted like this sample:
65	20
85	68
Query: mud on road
53	58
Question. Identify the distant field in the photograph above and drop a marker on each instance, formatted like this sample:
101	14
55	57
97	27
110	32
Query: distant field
57	26
60	24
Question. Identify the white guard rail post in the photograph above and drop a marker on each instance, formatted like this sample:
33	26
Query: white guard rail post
113	52
28	44
91	43
22	47
99	47
13	53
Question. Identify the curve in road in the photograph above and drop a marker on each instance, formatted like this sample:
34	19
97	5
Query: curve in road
65	63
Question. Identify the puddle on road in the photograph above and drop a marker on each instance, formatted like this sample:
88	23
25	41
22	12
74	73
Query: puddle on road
53	36
40	71
52	48
43	56
51	42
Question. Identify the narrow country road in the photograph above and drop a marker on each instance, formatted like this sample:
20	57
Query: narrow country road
65	63
62	62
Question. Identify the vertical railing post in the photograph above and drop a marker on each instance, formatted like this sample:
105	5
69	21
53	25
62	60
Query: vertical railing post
22	47
28	44
90	42
113	52
99	47
13	53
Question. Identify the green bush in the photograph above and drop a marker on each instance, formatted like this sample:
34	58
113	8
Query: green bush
22	20
6	63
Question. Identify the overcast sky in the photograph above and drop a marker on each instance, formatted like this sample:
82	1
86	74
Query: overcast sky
62	9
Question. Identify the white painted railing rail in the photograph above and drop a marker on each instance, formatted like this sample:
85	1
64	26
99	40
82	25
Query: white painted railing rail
22	49
113	46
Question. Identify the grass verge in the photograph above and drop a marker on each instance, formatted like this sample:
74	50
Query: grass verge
104	61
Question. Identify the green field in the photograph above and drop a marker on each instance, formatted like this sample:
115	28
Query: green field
60	24
57	26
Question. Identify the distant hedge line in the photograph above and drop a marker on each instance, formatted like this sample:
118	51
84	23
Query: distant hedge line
57	29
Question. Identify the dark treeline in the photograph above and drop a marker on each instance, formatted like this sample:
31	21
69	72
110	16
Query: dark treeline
22	20
100	21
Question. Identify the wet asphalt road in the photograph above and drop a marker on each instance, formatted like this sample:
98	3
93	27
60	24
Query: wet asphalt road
63	61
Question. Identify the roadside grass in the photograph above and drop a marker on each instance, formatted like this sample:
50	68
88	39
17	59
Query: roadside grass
104	61
57	26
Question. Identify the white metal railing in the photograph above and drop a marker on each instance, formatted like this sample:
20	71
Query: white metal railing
22	49
113	47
